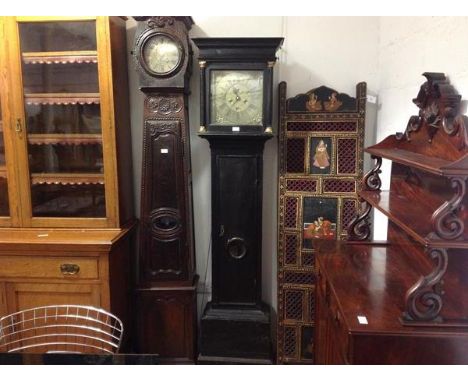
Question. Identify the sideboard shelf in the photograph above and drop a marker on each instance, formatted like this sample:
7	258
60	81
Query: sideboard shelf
413	218
388	149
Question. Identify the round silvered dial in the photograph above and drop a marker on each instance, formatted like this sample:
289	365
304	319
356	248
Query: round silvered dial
161	54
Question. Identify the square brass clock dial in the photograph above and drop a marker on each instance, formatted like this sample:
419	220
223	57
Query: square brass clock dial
236	97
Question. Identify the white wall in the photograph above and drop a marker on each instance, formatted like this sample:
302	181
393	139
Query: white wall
333	51
408	47
389	53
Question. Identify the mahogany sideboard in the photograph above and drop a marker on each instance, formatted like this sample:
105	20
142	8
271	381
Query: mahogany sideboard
404	302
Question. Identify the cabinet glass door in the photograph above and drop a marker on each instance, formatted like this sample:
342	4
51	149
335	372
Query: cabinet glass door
4	204
59	64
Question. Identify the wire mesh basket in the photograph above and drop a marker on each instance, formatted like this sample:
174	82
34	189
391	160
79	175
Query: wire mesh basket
61	329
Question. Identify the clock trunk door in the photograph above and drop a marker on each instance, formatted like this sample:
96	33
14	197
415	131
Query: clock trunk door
237	214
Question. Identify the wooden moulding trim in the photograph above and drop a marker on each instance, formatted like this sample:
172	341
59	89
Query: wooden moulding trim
62	139
67	179
70	57
3	171
62	98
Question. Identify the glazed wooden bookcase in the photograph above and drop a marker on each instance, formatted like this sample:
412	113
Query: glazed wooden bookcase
65	159
412	290
61	122
320	168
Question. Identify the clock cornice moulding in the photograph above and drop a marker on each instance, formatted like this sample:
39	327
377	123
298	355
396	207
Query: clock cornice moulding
238	49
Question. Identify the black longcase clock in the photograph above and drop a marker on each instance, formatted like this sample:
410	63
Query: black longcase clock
166	285
235	117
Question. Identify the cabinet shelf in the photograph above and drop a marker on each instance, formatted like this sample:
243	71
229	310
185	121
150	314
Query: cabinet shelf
67	179
62	139
413	218
67	57
388	149
62	98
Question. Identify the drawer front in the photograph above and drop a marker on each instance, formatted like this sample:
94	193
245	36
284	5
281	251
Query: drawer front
49	267
26	295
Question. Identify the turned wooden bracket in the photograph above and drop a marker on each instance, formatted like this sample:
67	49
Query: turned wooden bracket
424	299
359	229
446	221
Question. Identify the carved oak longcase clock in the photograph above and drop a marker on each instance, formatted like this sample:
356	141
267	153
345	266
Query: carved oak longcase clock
166	286
236	100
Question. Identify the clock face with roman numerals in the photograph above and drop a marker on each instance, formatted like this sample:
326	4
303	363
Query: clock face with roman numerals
236	97
161	54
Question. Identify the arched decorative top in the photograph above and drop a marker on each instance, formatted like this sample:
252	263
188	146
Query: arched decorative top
323	100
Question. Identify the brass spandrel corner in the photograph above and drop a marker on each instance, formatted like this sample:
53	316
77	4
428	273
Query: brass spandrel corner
202	64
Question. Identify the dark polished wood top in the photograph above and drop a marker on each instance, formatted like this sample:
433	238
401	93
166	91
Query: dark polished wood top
66	239
371	281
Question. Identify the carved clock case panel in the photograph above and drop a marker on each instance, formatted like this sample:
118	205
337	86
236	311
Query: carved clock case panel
321	138
166	224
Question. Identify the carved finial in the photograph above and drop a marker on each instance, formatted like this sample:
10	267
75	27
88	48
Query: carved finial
202	129
268	130
439	106
160	21
202	63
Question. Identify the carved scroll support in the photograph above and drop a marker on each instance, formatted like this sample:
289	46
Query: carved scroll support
359	228
446	221
424	299
372	180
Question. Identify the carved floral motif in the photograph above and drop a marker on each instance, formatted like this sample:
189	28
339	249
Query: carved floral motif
163	105
160	21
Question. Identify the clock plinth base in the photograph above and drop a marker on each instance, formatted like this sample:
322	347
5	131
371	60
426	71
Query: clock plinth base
235	335
166	322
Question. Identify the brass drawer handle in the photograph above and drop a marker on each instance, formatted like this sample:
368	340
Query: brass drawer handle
18	127
69	269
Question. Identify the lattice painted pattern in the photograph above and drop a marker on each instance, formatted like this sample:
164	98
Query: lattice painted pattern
340	126
320	167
